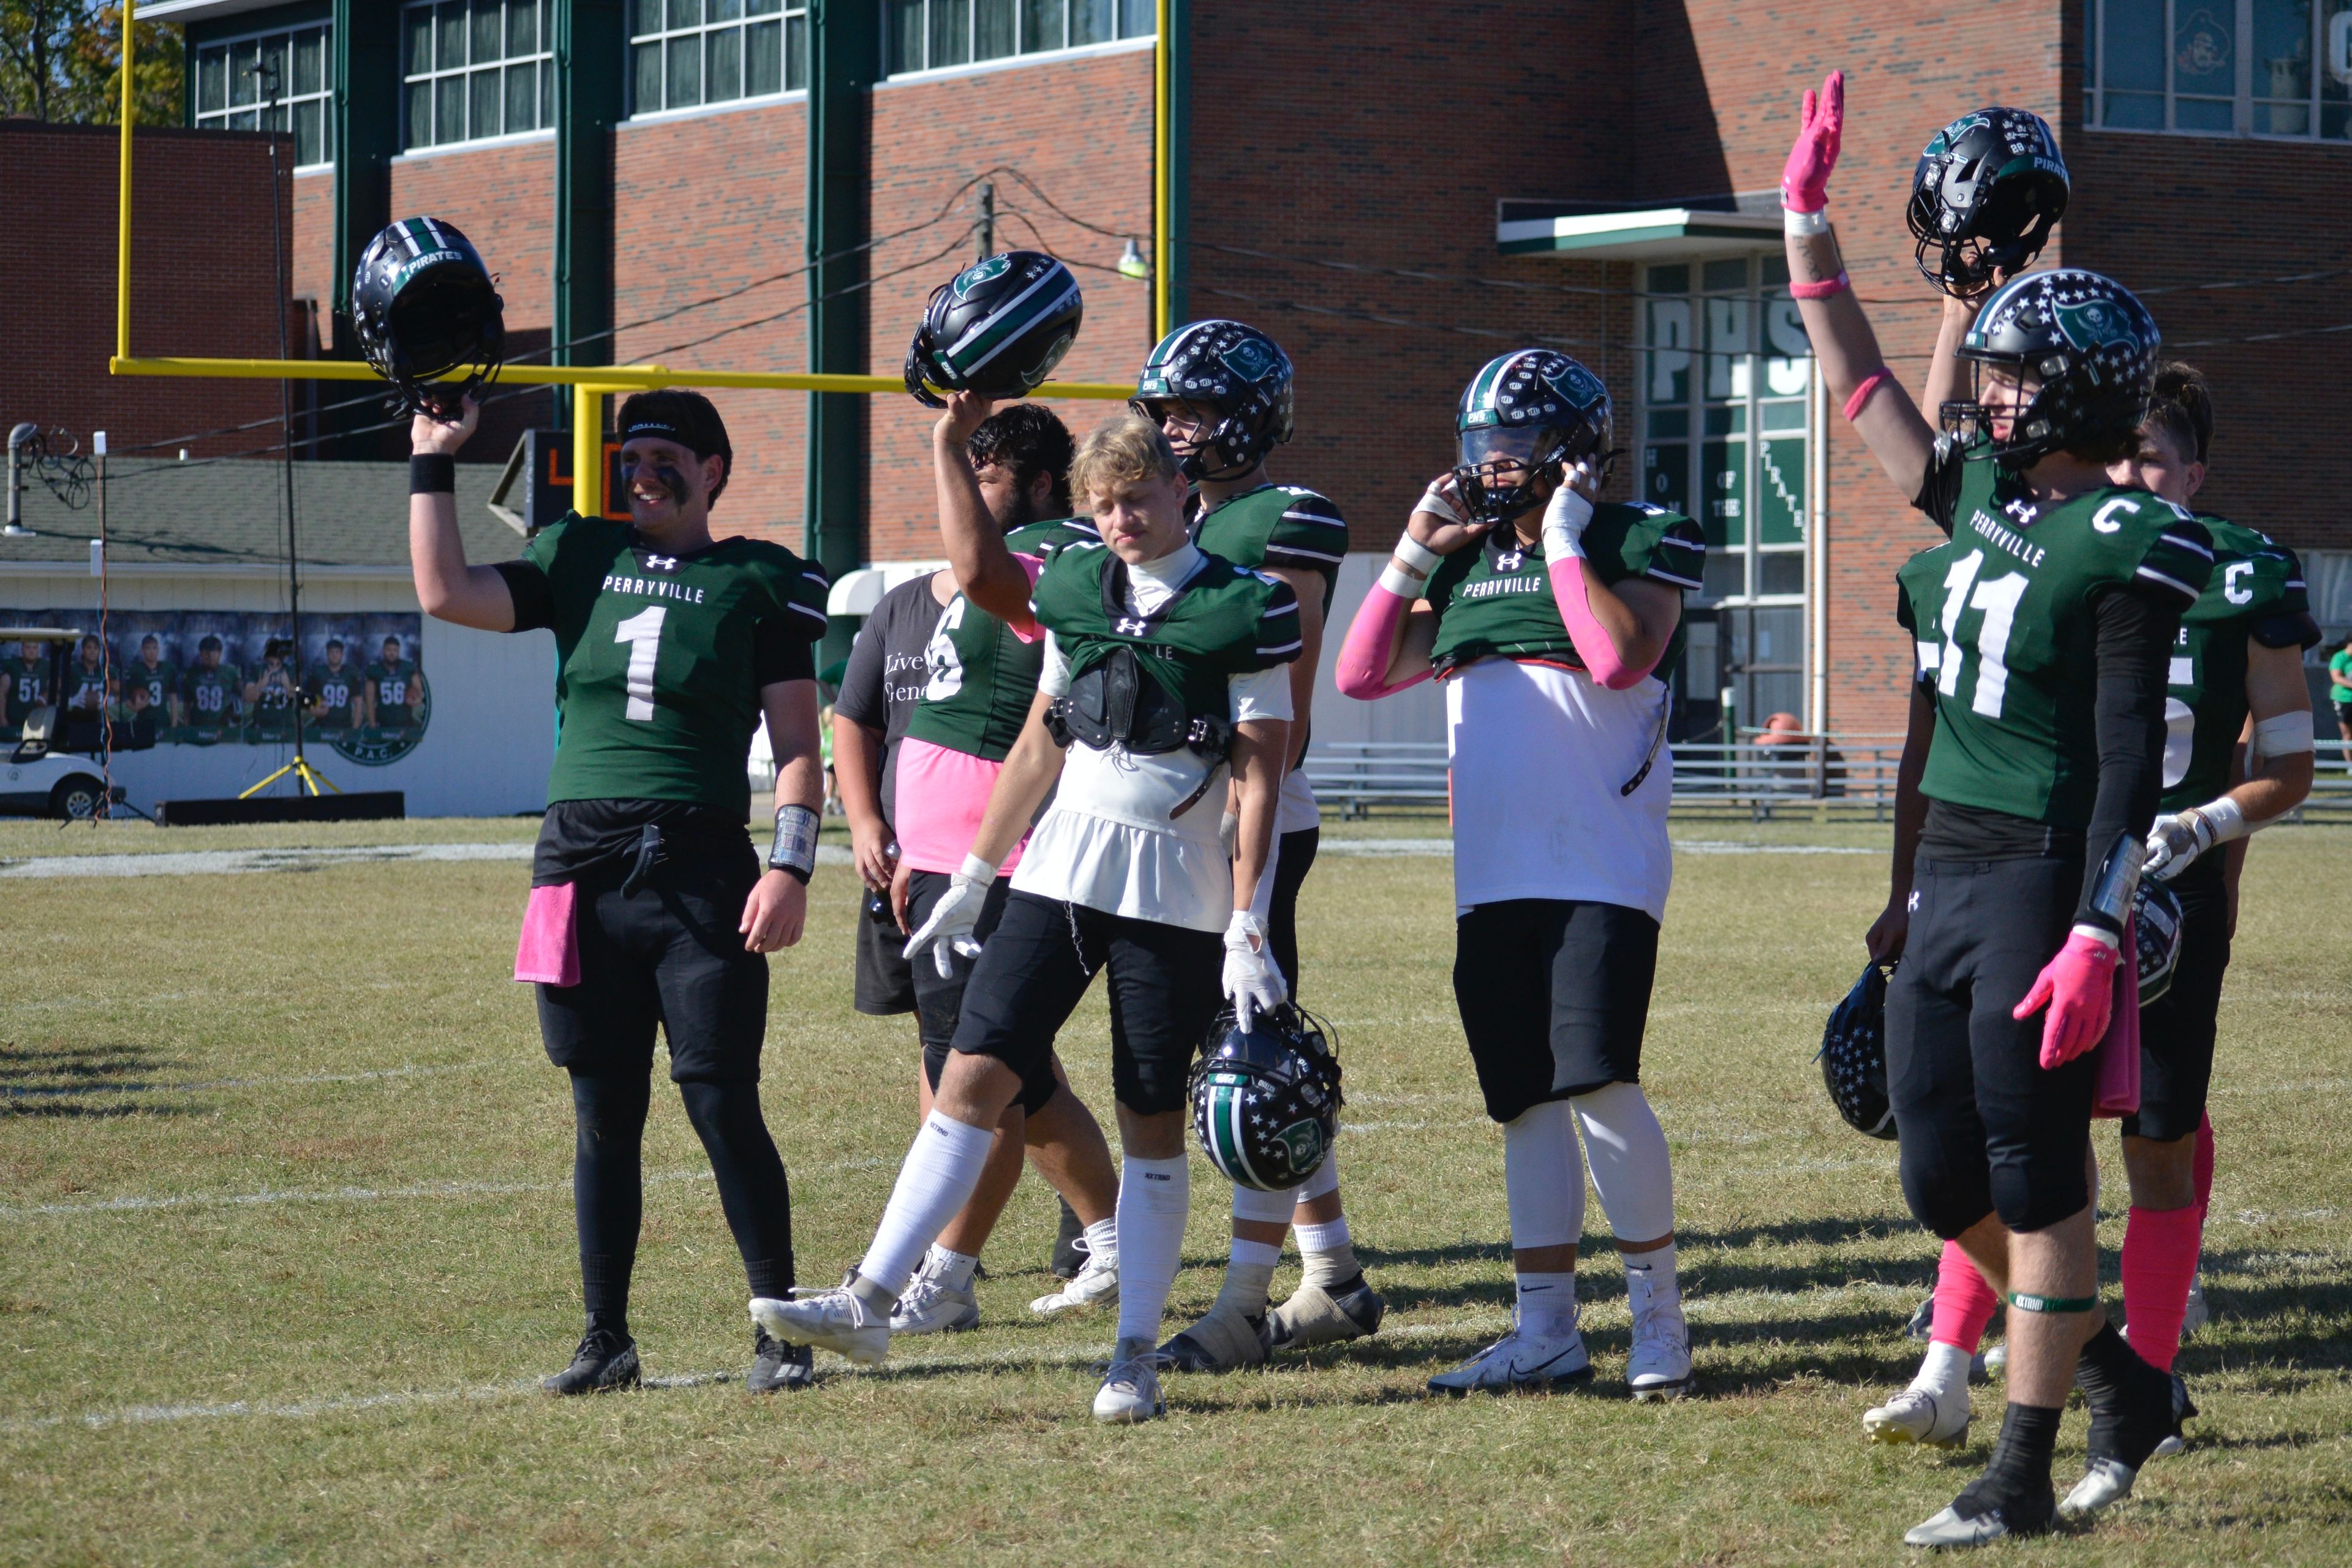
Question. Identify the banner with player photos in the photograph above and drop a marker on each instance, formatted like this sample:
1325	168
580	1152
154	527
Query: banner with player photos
216	678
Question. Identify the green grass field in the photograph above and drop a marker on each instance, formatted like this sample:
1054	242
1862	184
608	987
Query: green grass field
285	1240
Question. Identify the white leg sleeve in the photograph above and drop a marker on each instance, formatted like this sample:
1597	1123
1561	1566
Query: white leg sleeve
1630	1169
1542	1177
1154	1195
942	1168
1265	1208
1325	1179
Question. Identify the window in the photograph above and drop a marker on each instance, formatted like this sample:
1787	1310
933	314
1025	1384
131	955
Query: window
1725	437
2219	67
683	53
273	82
929	35
475	68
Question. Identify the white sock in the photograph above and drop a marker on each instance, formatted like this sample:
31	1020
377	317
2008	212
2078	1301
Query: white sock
1102	1237
1543	1178
953	1270
1944	1370
1327	1254
1548	1301
941	1168
1655	1268
1154	1195
1630	1169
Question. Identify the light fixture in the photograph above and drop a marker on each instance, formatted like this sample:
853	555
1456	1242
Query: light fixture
1131	261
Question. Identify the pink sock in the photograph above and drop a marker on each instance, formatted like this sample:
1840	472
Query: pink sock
1964	1302
2204	1166
2160	1262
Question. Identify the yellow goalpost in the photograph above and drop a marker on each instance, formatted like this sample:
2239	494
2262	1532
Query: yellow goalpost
591	385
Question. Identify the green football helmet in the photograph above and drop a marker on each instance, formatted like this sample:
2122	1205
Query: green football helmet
1233	369
1532	411
2084	345
1265	1101
998	327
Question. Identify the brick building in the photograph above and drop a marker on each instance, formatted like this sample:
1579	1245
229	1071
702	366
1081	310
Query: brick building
1395	202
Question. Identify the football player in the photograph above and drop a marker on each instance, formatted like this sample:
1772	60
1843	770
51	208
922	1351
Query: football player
160	677
2046	625
1004	473
269	697
27	681
1550	617
2235	687
212	696
86	683
647	905
334	691
394	687
1220	391
1163	668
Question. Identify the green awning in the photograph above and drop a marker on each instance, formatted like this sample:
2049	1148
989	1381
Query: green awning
1655	232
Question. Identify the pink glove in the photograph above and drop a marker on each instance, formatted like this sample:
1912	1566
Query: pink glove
2078	987
1805	179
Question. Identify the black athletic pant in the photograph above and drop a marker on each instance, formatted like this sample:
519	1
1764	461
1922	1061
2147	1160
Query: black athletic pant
1293	858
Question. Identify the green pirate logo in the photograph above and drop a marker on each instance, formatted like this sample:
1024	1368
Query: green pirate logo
1250	359
1304	1142
1577	386
1953	132
2094	322
972	278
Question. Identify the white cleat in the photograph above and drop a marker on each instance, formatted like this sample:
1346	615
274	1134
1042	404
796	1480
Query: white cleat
1659	1365
2199	1314
1096	1286
1994	1362
2104	1483
837	1320
1952	1532
1130	1389
1919	1415
1527	1359
933	1307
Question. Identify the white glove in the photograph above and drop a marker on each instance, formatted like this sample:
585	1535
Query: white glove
1252	982
2176	841
947	934
1566	514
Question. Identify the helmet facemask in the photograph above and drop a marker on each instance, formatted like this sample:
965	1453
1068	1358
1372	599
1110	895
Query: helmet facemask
1507	471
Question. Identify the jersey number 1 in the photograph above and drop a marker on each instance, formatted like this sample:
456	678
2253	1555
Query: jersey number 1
1998	600
642	632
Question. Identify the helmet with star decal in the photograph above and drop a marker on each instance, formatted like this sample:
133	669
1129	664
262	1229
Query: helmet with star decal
2082	351
1265	1100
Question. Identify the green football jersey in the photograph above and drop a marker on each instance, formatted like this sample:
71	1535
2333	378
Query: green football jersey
1226	621
80	683
393	685
214	696
161	682
336	690
660	659
1494	599
2254	582
2003	621
980	677
28	685
1278	525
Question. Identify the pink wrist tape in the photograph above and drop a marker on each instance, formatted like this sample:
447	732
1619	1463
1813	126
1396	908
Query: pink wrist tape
1837	285
1870	383
1601	660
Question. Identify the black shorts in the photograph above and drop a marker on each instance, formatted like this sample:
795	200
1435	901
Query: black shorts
1166	985
1554	995
884	986
938	998
2175	1033
1983	1128
669	954
1293	858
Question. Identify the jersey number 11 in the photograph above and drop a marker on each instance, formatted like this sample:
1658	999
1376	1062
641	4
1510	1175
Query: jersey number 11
1998	600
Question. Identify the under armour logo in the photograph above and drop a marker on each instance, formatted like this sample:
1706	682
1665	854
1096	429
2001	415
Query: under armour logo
661	563
1510	560
2024	510
1913	907
1129	627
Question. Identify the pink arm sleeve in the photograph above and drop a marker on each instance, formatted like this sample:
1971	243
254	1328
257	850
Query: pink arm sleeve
1363	668
1592	644
1026	628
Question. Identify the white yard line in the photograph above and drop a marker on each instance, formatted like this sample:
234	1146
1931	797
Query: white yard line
239	862
1384	848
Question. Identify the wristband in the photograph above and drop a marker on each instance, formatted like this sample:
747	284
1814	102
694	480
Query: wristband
794	850
2284	736
1837	285
2100	935
975	869
1861	398
1417	555
432	474
1804	223
1401	583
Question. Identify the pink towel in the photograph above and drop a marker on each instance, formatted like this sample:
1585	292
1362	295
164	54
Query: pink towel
549	948
2118	1067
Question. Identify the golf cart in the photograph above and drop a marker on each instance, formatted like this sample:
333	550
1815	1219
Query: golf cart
42	778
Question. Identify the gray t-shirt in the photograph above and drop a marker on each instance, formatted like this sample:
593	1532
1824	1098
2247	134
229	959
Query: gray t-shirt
886	672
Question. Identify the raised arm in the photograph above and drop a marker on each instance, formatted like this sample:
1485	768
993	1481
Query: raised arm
990	574
447	588
1844	347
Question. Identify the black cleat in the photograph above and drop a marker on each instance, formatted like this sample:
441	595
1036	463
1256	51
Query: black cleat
1068	1256
775	1364
604	1360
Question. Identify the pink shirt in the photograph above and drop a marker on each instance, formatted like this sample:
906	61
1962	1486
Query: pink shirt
942	795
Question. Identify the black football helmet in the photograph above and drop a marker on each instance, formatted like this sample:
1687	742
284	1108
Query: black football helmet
2085	346
998	327
424	305
1854	1057
1984	198
2155	932
1535	409
1235	369
1266	1102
